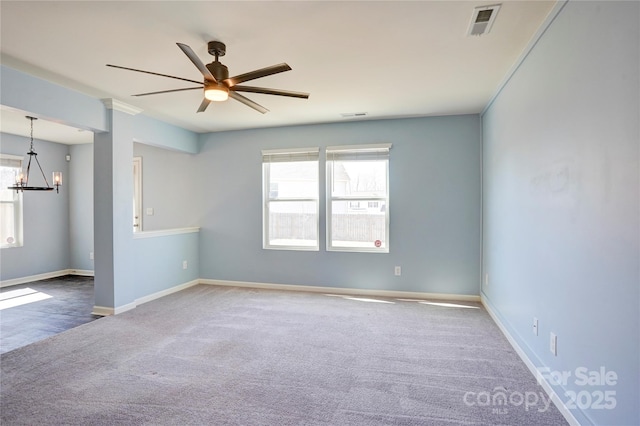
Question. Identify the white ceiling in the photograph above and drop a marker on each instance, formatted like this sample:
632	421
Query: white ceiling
386	58
15	122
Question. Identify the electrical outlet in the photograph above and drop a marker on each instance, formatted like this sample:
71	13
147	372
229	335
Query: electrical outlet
397	271
553	344
149	211
535	326
184	264
486	279
90	255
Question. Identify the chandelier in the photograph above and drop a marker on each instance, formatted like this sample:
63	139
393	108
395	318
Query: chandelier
22	180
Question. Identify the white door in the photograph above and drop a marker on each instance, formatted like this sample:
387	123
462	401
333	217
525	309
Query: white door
137	194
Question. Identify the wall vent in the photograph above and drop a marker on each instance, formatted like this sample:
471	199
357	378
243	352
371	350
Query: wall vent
482	19
353	114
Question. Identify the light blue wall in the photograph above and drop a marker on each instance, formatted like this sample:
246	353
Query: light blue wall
166	192
45	214
561	201
154	132
168	181
159	260
47	100
80	184
434	207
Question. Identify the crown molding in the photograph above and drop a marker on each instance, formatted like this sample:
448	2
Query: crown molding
117	105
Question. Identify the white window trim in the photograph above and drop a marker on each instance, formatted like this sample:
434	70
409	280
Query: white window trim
378	147
346	150
12	157
283	155
18	210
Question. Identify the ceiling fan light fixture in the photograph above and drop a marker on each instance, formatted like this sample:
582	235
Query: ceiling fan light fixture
216	93
217	82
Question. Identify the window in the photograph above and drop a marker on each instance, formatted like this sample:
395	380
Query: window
290	199
358	198
10	202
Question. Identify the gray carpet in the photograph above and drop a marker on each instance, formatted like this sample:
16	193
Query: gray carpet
227	356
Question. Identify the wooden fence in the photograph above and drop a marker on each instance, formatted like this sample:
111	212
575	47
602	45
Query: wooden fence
346	227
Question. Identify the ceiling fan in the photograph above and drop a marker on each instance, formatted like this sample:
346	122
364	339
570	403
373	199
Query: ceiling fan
217	84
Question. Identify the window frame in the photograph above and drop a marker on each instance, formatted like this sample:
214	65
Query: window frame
270	156
17	202
365	152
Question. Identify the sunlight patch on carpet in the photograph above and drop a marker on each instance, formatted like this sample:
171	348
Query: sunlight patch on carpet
23	296
359	299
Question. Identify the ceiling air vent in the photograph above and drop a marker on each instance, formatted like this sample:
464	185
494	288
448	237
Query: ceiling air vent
352	114
482	19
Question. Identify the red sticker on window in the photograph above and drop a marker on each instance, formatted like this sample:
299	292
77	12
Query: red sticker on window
377	243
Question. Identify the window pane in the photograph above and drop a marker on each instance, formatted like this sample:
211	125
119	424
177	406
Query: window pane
10	202
358	198
358	224
293	223
290	199
7	195
297	179
359	178
8	178
7	224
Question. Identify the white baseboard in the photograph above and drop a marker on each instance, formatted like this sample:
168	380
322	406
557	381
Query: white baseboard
105	311
124	308
347	291
81	272
46	276
557	401
31	278
289	287
102	311
166	292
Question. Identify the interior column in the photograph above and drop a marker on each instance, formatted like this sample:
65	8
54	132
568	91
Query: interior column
113	207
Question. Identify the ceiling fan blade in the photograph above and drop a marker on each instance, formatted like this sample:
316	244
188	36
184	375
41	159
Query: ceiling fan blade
205	103
196	61
248	102
270	91
252	75
154	73
167	91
